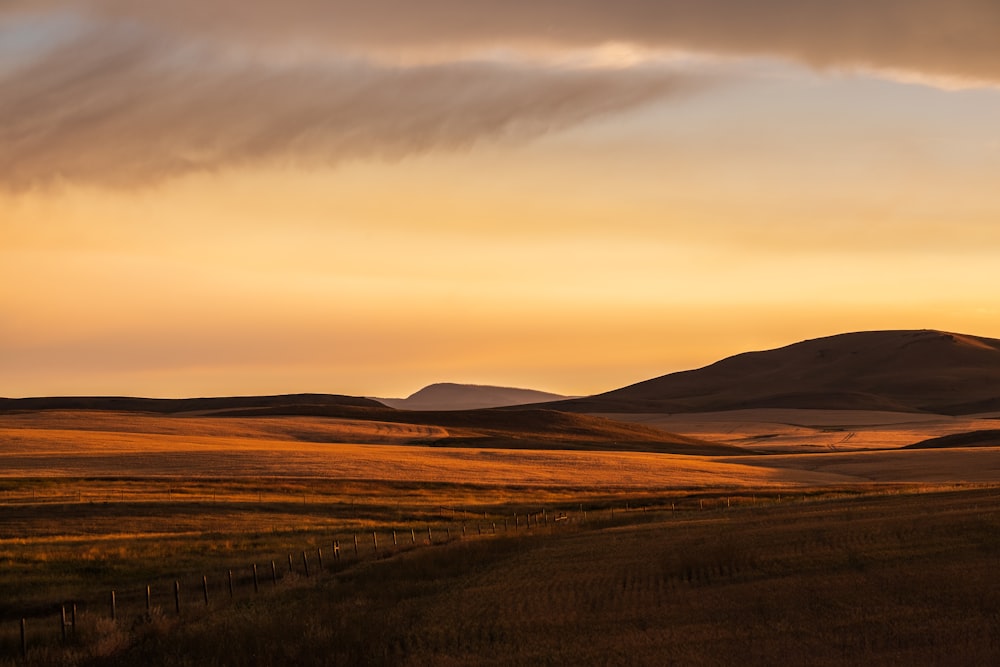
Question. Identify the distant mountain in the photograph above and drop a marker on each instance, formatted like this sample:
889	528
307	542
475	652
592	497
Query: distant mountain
451	396
909	371
177	405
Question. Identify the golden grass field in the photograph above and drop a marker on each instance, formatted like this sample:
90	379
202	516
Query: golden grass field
803	447
658	555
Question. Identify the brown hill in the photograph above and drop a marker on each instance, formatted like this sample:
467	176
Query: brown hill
178	405
512	429
515	429
983	438
908	371
452	396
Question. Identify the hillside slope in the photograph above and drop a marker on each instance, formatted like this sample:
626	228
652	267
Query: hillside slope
905	371
452	396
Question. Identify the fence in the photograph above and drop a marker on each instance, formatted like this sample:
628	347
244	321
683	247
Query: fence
191	594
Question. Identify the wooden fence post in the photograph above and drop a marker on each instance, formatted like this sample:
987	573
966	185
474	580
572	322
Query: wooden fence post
177	596
413	536
230	573
305	563
274	574
63	624
24	641
289	563
73	626
336	550
147	599
494	527
374	541
393	537
319	558
204	587
430	538
355	545
114	607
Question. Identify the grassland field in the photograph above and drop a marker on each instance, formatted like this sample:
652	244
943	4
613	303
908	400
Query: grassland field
851	557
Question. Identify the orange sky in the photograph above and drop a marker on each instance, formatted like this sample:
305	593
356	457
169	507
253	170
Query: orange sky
270	202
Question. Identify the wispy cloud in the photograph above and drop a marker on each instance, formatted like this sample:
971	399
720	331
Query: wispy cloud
952	38
151	90
122	108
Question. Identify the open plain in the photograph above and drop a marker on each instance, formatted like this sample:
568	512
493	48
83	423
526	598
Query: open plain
812	534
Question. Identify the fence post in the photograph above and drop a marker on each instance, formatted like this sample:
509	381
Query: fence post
336	550
230	584
289	563
494	527
63	624
204	587
319	557
305	563
375	541
393	537
74	619
413	536
430	538
114	607
24	642
355	545
177	596
274	574
147	599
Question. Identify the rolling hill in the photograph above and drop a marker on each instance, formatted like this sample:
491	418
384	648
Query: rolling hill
905	371
179	405
452	396
486	428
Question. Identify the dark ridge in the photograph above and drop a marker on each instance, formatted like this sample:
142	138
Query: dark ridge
452	396
906	371
984	438
178	405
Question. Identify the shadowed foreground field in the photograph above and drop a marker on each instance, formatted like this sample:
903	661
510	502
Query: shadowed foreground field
899	578
904	576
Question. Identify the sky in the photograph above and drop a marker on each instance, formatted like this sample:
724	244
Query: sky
217	198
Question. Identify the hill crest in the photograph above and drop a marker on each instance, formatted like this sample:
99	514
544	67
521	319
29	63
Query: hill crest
901	370
455	396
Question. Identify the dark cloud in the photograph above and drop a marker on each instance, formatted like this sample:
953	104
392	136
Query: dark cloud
938	37
119	108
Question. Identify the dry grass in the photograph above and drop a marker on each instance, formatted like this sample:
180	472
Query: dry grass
105	445
787	431
870	580
808	564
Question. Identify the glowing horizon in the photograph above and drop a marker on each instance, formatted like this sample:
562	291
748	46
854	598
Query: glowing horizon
312	198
